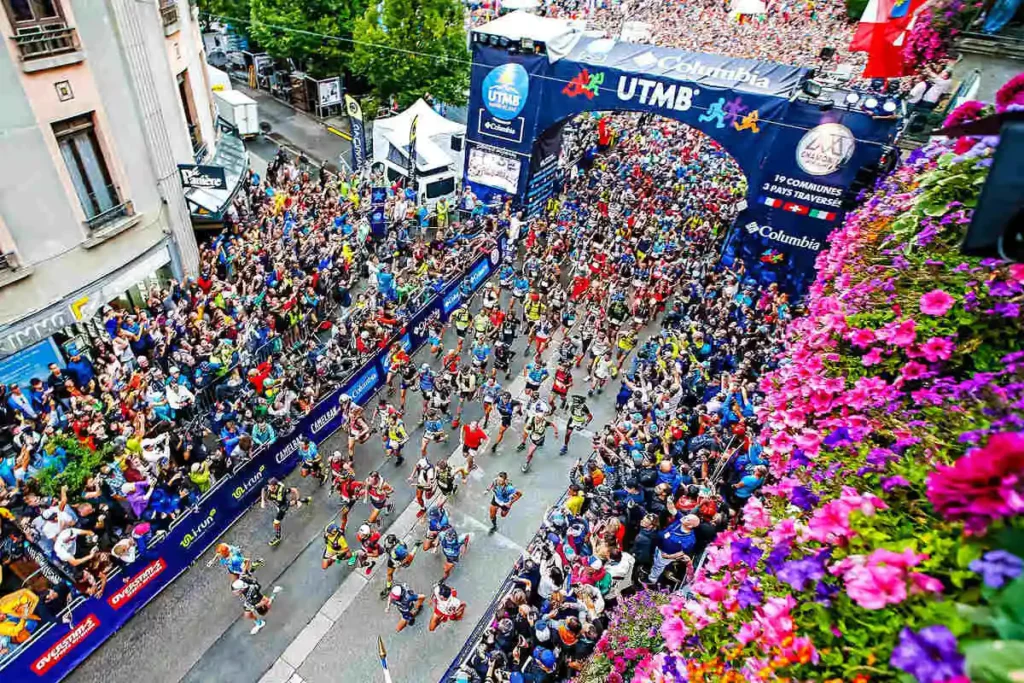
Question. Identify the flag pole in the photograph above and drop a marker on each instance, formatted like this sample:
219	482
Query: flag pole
383	654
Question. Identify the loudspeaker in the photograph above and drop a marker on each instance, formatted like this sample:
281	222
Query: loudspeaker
997	226
827	53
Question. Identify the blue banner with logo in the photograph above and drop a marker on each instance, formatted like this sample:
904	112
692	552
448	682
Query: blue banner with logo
798	200
751	108
55	649
378	218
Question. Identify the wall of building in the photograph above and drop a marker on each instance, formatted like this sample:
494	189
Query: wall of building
41	214
993	72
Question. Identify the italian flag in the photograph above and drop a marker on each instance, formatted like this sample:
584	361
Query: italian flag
823	215
772	202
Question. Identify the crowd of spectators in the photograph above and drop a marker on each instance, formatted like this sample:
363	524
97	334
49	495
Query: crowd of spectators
788	32
681	457
103	454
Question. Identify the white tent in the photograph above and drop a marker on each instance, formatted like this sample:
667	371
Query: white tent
513	5
748	7
439	149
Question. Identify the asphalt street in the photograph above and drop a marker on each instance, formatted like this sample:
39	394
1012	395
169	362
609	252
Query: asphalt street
327	631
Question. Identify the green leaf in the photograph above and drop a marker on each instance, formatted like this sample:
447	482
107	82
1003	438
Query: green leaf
979	616
966	554
995	661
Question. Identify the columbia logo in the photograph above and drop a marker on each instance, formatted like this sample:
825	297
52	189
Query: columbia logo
645	60
752	228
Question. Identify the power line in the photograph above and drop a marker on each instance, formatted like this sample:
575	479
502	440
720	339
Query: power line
471	63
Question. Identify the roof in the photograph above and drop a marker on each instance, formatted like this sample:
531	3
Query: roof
429	125
521	24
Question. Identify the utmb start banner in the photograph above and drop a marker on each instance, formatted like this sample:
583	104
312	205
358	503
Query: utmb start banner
798	159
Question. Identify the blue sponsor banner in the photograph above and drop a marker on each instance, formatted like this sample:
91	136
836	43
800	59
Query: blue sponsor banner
378	220
56	649
751	108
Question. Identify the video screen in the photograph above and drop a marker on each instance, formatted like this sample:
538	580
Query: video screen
494	170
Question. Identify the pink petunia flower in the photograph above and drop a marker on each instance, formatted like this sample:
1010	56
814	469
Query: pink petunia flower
913	371
862	338
937	348
875	587
904	334
936	303
674	631
872	357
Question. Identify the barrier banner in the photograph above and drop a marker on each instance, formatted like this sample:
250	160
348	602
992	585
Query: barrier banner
55	649
378	219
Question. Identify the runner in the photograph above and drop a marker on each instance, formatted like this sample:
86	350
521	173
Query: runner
425	477
601	371
433	429
503	355
335	546
378	493
396	438
490	392
453	547
358	428
231	558
447	606
408	603
461	321
506	408
408	379
579	417
399	555
349	489
466	382
535	373
312	463
473	439
398	359
255	604
284	498
446	483
503	497
536	427
562	382
370	548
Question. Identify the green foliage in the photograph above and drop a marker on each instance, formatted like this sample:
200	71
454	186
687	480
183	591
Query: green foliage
82	464
431	28
855	8
296	28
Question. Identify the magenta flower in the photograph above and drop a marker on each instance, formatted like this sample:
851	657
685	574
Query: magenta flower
874	587
904	334
861	338
872	357
913	371
936	303
937	348
674	631
983	486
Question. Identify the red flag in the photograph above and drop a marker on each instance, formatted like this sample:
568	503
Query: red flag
885	48
875	14
796	208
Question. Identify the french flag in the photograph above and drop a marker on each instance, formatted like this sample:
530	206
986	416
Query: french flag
772	202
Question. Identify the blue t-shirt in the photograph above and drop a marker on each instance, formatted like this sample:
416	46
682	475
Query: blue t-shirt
673	539
503	494
748	485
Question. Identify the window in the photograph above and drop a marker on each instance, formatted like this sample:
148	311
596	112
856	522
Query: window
84	160
28	12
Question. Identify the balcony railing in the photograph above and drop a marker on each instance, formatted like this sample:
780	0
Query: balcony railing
169	12
122	210
46	43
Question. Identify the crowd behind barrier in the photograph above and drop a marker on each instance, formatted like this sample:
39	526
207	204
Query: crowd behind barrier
126	462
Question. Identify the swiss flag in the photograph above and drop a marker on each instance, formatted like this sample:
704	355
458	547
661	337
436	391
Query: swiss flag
790	207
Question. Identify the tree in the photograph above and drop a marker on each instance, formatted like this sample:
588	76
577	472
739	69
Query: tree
299	29
428	50
855	8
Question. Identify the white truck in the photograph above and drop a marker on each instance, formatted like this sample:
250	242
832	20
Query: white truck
239	110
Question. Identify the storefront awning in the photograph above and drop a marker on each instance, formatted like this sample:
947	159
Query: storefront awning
208	206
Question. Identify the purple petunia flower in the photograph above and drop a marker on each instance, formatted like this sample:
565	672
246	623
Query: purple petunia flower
824	592
803	497
998	567
748	595
890	483
929	655
777	556
798	573
744	550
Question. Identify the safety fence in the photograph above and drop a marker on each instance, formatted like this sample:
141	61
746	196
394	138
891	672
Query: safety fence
55	649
